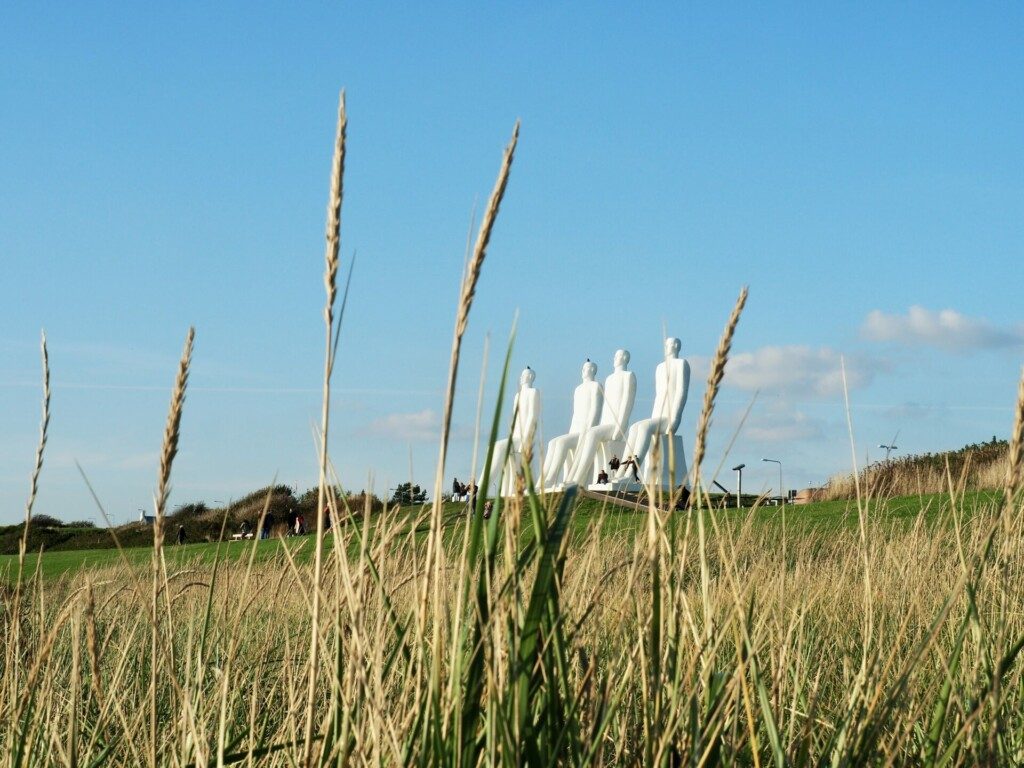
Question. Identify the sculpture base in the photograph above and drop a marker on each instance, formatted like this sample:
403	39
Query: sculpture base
667	467
621	485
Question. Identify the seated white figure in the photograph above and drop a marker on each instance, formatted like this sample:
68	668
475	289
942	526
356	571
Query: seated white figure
671	384
527	415
597	443
586	410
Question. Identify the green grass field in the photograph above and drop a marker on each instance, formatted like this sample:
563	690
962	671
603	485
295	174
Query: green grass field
615	522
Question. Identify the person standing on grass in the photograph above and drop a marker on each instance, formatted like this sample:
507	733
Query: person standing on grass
268	522
181	534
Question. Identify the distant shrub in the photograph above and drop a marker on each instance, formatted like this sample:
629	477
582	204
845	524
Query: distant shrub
357	503
192	509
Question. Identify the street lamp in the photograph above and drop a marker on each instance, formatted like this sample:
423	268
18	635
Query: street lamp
739	484
888	449
781	494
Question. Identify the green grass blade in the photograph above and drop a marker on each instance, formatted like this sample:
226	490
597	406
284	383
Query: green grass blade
938	719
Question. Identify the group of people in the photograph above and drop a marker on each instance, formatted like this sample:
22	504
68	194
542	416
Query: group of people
297	522
614	464
296	526
463	492
467	493
245	530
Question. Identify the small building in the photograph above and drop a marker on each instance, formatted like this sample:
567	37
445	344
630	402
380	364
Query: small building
807	495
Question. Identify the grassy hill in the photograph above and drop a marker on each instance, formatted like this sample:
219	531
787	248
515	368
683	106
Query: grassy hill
972	467
96	548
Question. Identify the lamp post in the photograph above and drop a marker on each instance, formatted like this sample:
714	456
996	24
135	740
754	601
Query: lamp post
782	495
888	449
739	484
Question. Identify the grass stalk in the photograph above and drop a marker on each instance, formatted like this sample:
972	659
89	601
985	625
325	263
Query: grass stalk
14	647
1015	464
172	432
333	236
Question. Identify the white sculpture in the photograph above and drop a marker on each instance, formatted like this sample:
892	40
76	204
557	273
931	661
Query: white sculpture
527	407
671	384
598	442
586	410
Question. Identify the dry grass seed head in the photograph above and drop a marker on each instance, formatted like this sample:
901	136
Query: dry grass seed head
715	379
173	429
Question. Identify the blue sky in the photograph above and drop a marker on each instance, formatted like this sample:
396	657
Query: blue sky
859	167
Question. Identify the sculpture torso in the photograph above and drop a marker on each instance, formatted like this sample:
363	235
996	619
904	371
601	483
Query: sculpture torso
586	407
529	406
619	396
672	381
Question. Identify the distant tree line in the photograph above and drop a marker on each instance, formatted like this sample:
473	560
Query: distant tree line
201	521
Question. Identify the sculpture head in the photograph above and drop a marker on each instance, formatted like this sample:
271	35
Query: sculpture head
589	370
621	359
672	346
527	377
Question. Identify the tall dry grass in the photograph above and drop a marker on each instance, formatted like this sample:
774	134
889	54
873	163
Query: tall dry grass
509	641
734	669
984	467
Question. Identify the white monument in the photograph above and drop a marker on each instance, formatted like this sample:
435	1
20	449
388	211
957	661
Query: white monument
599	442
527	410
671	384
586	411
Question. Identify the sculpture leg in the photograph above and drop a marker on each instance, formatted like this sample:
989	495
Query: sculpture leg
497	459
513	467
557	460
640	438
579	473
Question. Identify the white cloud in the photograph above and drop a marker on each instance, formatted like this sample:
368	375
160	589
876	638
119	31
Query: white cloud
947	329
798	371
424	425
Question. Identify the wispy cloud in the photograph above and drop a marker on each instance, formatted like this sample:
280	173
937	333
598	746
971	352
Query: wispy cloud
946	329
423	425
782	427
92	460
799	371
